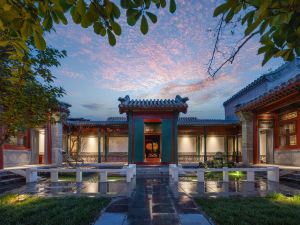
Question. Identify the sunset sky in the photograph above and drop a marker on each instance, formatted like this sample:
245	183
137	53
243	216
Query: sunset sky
171	59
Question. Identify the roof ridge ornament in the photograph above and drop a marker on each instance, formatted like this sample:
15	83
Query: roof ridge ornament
178	98
126	99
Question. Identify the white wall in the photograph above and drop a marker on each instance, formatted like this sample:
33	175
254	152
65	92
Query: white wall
262	143
187	144
213	144
41	142
89	144
118	144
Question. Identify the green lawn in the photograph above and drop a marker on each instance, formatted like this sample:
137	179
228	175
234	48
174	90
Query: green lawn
31	210
275	209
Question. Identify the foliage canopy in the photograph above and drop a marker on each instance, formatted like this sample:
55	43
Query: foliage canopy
276	21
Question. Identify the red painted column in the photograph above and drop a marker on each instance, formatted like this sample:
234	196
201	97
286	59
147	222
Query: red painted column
1	158
1	153
49	143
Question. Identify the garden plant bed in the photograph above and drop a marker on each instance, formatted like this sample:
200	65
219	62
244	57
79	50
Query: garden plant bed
274	209
33	210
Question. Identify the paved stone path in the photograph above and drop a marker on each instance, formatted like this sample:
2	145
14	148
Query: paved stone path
155	201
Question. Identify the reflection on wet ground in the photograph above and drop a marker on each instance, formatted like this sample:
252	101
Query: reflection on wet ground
117	186
232	188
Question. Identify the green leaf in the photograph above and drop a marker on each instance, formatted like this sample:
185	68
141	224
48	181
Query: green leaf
116	11
172	8
99	29
263	49
152	17
111	38
252	27
81	7
39	41
163	3
62	17
131	20
144	25
229	16
116	28
247	16
221	9
132	12
86	21
48	23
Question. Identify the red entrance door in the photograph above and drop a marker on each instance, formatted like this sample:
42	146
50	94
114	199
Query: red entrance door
152	149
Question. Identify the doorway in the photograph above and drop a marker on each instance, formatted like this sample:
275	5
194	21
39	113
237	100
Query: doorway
152	149
266	147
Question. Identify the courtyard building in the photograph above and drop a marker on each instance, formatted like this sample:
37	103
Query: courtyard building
261	125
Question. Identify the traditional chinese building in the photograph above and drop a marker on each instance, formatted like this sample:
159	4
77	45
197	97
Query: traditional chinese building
261	125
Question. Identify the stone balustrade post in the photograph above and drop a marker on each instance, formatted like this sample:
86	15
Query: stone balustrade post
31	175
54	176
225	174
250	176
273	174
200	175
103	176
78	175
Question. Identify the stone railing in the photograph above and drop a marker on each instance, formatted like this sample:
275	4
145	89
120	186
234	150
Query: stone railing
272	172
32	173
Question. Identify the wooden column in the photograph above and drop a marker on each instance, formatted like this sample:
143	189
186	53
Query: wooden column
237	148
99	145
205	152
106	146
226	147
49	144
198	147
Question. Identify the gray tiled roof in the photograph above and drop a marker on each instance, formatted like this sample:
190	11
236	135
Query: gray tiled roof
182	121
281	90
263	78
194	121
178	104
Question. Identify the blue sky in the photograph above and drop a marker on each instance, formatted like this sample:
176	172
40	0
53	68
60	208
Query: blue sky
171	59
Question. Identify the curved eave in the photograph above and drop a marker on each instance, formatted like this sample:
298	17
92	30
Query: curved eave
283	90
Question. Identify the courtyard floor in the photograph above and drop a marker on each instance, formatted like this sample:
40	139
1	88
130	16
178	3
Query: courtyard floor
155	201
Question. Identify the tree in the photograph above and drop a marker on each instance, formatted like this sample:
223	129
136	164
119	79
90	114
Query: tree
24	19
28	95
277	23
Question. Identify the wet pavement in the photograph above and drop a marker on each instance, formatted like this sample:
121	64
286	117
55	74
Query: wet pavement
155	201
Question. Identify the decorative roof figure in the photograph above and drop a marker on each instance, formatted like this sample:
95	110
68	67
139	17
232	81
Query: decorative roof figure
178	104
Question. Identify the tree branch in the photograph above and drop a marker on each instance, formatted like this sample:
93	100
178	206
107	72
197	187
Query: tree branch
232	56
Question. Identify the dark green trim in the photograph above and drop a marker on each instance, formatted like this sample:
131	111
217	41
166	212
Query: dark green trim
130	138
99	146
166	140
138	140
205	152
175	138
106	146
